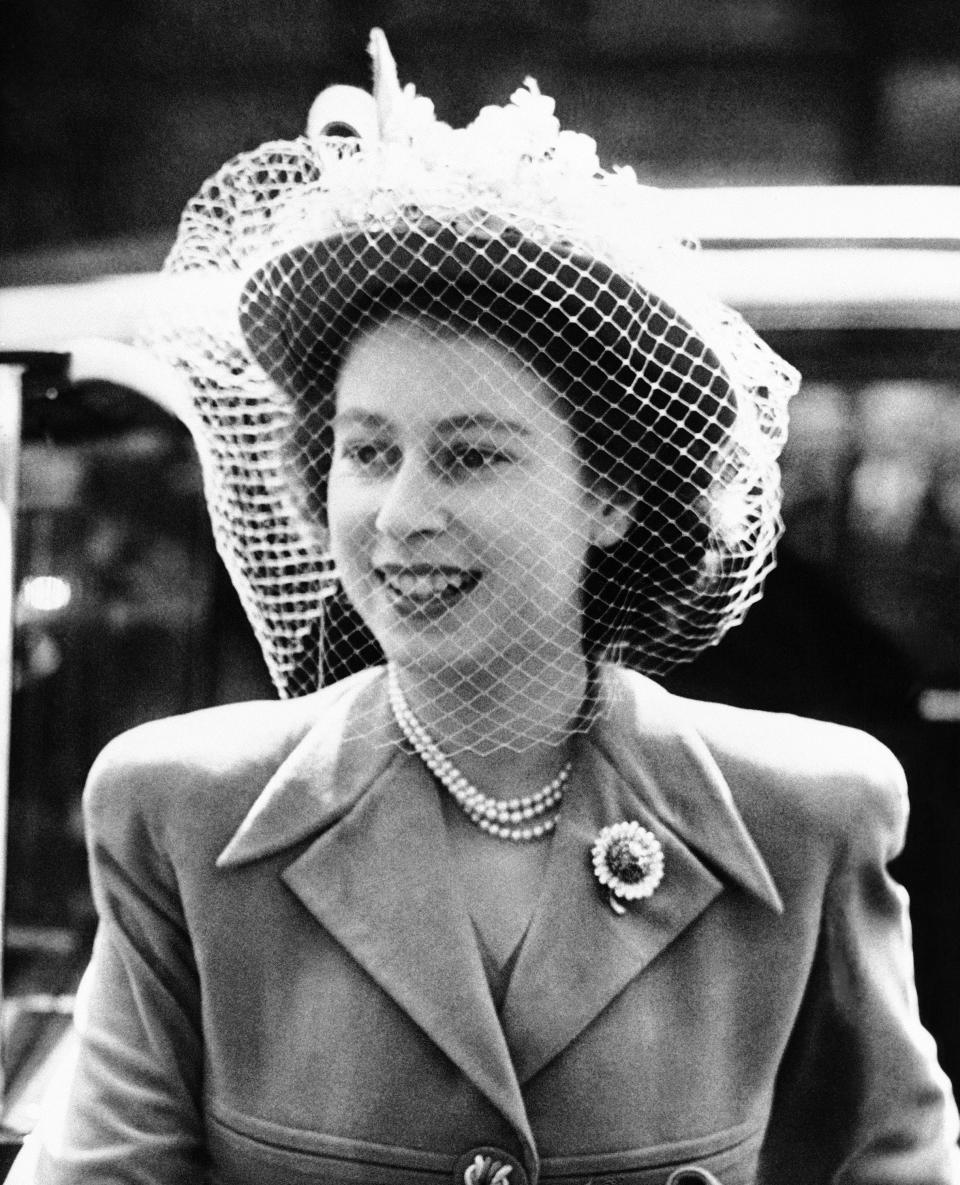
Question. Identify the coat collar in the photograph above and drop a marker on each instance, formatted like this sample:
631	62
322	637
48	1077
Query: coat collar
345	750
378	877
374	820
640	761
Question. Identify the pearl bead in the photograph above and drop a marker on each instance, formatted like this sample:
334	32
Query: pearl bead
490	814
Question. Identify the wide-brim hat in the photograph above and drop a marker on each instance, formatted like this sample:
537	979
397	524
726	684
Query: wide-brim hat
508	228
300	312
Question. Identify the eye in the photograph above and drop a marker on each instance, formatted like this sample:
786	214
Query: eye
369	456
459	459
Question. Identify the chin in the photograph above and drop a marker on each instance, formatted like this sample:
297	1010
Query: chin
453	655
439	659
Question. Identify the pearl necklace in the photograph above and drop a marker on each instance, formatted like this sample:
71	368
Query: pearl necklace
510	818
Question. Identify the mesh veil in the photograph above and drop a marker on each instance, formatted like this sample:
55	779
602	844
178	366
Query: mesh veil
481	265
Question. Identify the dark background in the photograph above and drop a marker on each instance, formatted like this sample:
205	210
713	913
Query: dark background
116	110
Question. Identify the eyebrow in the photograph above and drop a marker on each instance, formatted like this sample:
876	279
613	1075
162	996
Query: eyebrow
482	421
363	419
476	421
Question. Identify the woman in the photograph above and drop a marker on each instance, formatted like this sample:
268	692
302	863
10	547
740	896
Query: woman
499	910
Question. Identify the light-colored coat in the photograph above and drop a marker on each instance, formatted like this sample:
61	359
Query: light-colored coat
286	986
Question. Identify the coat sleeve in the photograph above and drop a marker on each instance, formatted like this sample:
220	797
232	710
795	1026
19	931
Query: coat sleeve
129	1112
860	1070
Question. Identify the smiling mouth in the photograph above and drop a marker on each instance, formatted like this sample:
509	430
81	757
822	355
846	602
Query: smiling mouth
426	590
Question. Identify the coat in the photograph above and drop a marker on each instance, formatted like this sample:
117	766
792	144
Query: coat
286	987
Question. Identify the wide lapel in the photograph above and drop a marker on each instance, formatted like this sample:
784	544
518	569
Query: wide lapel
381	882
341	750
640	761
379	878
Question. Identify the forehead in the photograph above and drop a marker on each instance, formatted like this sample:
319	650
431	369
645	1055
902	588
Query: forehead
418	372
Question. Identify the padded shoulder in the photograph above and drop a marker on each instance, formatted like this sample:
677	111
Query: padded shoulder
804	747
197	773
815	774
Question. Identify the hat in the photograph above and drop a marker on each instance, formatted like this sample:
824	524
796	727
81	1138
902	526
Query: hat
511	229
301	311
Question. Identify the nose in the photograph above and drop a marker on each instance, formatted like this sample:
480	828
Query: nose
412	503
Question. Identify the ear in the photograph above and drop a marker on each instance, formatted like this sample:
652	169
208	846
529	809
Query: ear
613	509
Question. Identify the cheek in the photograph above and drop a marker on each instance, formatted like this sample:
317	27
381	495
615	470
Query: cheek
337	515
545	528
348	516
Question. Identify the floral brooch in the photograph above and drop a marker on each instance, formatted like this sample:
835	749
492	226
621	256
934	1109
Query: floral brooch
628	862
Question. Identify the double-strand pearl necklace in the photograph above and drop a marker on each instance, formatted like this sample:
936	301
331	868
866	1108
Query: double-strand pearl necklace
520	820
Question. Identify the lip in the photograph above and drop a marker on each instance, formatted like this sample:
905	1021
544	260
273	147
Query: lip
425	592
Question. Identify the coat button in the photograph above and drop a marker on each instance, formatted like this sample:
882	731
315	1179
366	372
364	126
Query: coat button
692	1174
488	1166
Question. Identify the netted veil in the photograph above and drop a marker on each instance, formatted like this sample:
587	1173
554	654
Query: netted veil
505	257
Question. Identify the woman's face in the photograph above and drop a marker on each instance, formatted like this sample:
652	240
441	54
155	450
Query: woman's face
459	519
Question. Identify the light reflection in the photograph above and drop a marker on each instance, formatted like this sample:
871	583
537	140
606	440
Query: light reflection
45	594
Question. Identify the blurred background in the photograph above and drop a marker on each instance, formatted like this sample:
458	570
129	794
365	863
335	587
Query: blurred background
114	113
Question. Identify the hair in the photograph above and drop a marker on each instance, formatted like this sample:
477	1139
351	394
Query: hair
638	426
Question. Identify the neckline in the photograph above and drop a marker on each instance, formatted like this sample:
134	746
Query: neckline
498	975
